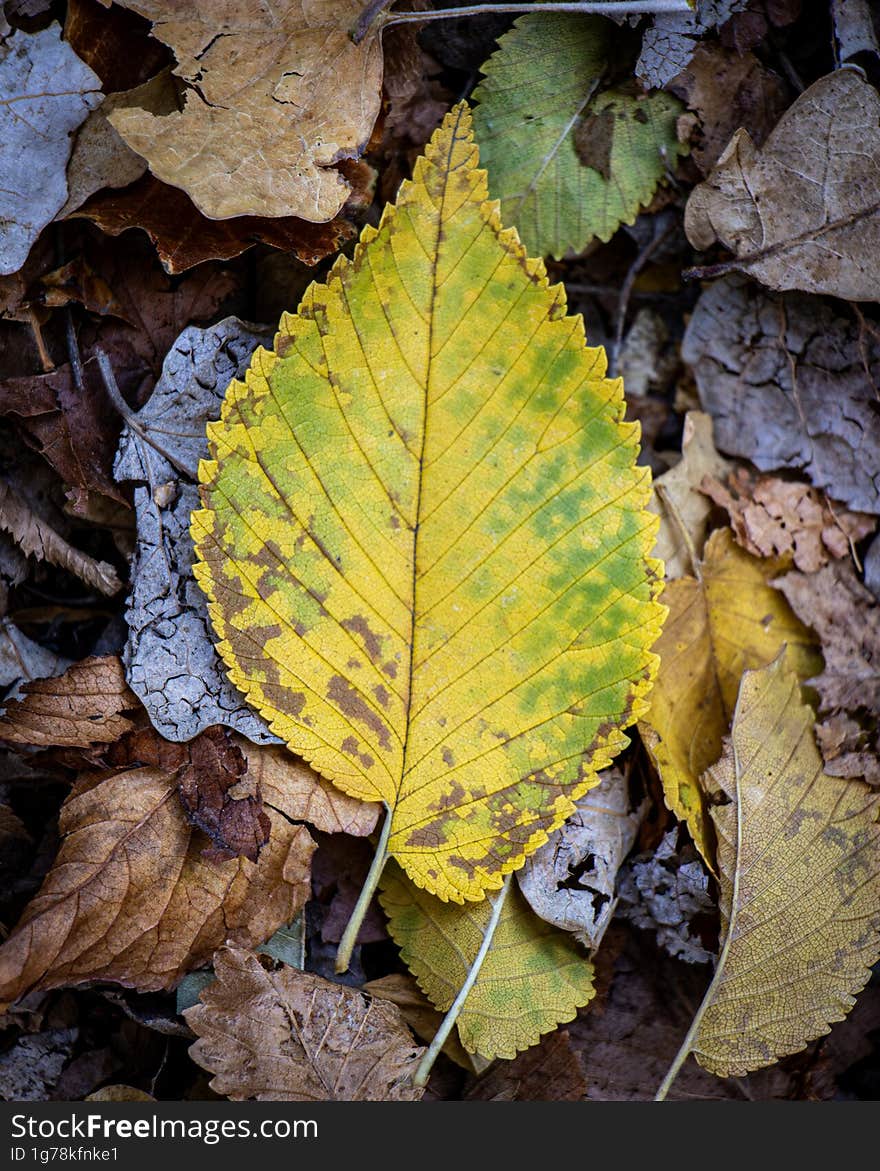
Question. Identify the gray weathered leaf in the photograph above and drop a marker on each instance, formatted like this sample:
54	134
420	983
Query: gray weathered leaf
570	880
47	92
789	381
170	658
803	212
663	891
669	44
30	1069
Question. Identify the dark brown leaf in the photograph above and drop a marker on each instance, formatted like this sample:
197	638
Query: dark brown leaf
548	1072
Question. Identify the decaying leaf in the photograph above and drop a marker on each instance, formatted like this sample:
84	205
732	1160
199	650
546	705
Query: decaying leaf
220	800
89	704
570	880
772	517
537	104
803	212
274	98
846	617
170	659
119	1093
795	840
790	383
31	1067
299	793
130	897
424	536
290	1036
678	500
548	1072
673	38
47	92
665	891
22	659
38	539
533	978
721	623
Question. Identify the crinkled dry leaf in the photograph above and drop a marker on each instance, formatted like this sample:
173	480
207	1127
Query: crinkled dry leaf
538	106
799	874
221	800
130	897
803	212
533	978
720	624
36	538
570	881
790	382
47	92
119	1093
673	38
274	98
678	500
170	658
298	792
849	748
31	1067
548	1072
89	704
289	1036
424	536
665	891
772	517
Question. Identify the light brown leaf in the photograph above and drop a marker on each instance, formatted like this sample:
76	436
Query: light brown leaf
274	99
86	705
290	1036
677	498
804	211
36	538
772	517
131	899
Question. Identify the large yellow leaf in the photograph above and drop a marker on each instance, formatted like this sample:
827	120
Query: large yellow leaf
799	876
533	978
425	540
728	620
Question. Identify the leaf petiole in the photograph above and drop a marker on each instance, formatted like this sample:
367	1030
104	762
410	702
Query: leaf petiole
427	1063
349	936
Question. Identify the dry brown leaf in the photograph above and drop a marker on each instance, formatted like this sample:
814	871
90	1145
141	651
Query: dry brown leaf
119	1093
772	517
36	538
677	498
295	789
548	1072
131	899
184	237
846	617
221	798
114	43
728	90
274	99
804	211
290	1036
86	705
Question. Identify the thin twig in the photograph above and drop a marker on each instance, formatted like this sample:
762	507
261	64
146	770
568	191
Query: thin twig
349	936
380	18
129	417
626	291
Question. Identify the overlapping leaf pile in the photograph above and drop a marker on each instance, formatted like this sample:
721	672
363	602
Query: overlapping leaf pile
602	754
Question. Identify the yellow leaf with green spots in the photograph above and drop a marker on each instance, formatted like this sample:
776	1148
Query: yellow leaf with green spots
569	163
534	976
425	538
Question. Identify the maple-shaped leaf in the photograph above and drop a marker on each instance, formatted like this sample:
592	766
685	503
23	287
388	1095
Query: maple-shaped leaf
727	619
533	977
568	164
799	878
425	540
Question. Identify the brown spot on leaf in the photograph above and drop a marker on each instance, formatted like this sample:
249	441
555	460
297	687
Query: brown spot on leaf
390	669
593	139
218	799
372	642
352	705
448	758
